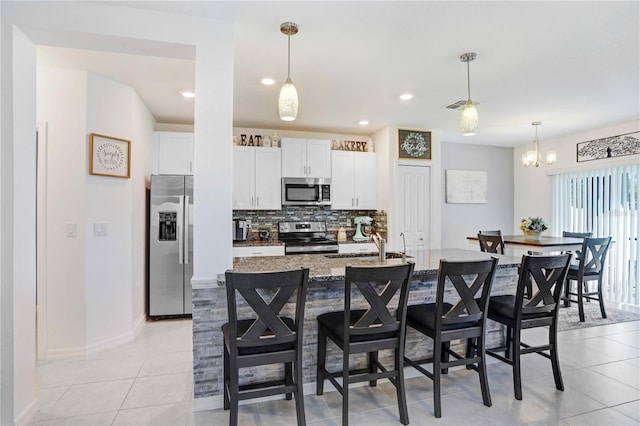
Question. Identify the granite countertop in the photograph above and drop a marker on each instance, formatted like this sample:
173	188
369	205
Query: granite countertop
323	268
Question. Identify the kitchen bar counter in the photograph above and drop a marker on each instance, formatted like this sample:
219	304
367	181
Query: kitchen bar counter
323	267
325	293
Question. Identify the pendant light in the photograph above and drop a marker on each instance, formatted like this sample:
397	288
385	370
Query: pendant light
469	117
288	100
533	158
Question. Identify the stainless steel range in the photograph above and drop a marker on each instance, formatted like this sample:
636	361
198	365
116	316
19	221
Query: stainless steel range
306	237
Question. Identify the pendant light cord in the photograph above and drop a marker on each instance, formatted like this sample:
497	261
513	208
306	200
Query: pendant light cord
468	83
289	53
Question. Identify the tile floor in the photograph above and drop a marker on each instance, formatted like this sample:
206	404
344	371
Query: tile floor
149	382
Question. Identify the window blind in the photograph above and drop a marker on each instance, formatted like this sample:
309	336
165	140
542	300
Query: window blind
604	202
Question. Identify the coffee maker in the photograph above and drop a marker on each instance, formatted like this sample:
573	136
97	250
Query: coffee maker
240	230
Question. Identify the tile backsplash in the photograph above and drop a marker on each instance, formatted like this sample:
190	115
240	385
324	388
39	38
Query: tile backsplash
268	219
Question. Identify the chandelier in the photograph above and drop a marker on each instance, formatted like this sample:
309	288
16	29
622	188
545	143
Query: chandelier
533	158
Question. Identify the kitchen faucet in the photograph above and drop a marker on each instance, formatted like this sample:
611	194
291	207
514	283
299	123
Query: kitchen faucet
404	248
381	243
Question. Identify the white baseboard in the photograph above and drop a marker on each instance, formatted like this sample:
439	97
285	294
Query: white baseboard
80	351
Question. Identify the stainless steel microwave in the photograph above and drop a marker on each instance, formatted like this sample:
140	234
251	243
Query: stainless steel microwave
306	192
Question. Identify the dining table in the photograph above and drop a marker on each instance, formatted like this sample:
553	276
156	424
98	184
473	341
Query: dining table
546	244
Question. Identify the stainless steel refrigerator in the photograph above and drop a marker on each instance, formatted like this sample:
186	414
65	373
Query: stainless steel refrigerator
170	245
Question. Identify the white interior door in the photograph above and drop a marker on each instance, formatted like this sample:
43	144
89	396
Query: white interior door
413	206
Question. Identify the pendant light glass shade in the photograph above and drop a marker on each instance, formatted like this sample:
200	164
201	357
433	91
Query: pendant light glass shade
288	100
469	116
469	119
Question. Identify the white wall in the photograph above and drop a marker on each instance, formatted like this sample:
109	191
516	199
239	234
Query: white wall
94	291
24	219
140	180
532	196
109	263
62	103
460	221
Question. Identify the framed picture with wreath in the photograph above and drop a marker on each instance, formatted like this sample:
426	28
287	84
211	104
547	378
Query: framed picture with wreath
414	144
109	156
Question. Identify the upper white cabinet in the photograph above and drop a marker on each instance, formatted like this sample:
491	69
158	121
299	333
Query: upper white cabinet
306	158
172	153
256	178
353	180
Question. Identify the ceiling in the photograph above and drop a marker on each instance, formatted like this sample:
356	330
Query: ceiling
573	65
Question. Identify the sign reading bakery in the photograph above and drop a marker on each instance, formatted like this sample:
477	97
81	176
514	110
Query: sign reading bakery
109	156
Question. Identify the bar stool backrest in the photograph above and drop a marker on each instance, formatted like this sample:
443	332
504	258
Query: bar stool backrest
548	274
378	286
467	280
265	293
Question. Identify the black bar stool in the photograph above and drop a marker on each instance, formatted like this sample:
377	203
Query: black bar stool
368	331
465	319
264	337
540	310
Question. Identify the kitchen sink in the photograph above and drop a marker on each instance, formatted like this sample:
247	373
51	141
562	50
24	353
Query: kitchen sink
364	256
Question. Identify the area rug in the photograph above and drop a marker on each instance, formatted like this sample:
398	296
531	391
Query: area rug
568	317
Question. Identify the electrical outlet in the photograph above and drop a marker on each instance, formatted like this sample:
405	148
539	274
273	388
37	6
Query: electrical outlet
248	223
348	222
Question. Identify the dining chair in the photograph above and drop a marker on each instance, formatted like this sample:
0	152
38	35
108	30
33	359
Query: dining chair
369	330
263	336
517	312
470	283
490	243
590	268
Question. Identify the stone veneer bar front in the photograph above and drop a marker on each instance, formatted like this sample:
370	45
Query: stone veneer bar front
325	293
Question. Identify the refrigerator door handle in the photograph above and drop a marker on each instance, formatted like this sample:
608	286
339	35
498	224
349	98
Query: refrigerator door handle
181	231
185	232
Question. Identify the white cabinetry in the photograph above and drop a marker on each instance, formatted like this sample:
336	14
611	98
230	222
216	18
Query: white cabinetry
357	248
353	180
306	158
256	178
172	153
252	251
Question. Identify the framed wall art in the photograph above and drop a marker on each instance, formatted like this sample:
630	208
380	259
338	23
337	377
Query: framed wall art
466	186
414	144
109	156
613	146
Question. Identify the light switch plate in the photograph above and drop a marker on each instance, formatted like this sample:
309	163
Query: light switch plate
100	229
72	229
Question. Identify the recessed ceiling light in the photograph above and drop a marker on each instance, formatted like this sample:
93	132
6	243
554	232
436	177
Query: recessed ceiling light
363	122
406	96
188	94
268	81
